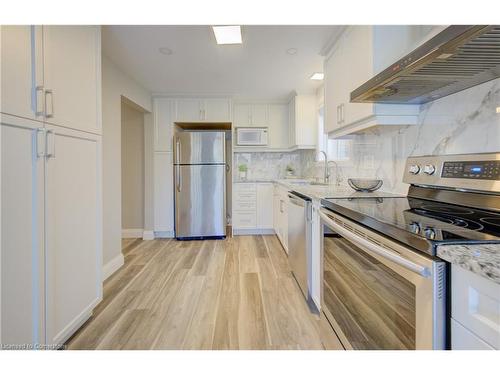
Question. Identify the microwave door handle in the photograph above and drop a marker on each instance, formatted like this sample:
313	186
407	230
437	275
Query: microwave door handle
379	250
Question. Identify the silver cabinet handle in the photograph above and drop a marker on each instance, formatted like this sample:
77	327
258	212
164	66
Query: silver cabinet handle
40	149
38	101
49	93
338	114
50	134
281	205
370	246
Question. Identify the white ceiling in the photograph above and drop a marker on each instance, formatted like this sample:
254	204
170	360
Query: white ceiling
259	68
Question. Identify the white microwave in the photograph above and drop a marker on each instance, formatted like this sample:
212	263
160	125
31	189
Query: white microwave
251	136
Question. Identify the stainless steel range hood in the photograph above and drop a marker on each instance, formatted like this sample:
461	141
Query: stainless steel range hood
455	59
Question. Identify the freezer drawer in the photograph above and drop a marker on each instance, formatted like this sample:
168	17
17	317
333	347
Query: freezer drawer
200	209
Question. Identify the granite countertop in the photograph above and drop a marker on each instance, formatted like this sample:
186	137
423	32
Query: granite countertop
483	260
332	191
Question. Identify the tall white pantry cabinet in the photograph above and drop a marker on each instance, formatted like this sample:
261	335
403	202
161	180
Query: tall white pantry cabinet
51	208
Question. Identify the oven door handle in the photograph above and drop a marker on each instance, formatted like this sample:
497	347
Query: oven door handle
379	250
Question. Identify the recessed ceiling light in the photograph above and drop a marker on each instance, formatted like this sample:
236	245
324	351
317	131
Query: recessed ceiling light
317	76
165	50
498	109
291	51
227	34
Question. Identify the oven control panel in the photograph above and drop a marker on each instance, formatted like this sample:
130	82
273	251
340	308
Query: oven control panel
484	170
480	172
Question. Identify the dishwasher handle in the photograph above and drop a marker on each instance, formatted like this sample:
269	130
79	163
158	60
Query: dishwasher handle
379	250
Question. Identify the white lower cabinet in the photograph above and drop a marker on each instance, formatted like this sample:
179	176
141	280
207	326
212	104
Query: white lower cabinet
51	252
253	208
475	306
163	194
22	234
73	230
280	214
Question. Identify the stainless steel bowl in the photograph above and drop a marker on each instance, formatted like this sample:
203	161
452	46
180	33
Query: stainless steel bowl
364	184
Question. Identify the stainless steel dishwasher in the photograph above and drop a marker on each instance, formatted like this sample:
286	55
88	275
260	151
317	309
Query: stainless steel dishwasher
299	239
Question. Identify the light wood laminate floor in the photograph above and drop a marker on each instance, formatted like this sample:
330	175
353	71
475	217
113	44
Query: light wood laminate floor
236	293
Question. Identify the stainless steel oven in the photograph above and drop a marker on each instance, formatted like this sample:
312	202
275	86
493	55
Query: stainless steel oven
378	293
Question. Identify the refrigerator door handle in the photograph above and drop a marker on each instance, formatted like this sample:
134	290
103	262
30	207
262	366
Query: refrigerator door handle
177	150
178	177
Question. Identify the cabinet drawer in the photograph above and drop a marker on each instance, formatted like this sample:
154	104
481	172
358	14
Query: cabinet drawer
244	219
245	196
244	188
476	304
245	205
463	339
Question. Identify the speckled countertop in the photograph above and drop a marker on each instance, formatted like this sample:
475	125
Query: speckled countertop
331	191
483	260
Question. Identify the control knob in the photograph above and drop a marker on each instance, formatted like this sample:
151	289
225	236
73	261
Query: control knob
430	233
414	169
415	227
429	169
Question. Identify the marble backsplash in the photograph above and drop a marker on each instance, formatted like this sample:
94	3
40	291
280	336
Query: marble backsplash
466	122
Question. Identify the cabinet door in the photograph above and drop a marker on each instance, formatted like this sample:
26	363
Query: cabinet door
73	230
21	236
357	68
276	210
163	124
334	78
259	115
306	121
278	126
241	115
217	110
21	71
72	75
163	192
265	206
189	110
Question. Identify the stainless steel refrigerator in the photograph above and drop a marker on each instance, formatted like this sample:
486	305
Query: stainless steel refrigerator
200	184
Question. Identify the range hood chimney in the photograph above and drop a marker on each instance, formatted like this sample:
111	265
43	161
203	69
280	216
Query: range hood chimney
459	57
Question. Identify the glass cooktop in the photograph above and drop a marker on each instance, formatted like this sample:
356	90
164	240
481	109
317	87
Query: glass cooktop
420	223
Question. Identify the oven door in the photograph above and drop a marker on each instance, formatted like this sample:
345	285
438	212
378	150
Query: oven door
377	293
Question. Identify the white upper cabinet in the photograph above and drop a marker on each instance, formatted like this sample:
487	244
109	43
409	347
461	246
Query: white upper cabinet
217	110
250	114
72	76
203	110
163	114
303	121
259	115
21	71
278	126
189	110
360	53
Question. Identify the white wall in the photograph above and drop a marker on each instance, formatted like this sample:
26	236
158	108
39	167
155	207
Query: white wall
132	168
115	85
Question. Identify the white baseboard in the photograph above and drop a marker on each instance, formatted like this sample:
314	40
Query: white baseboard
148	235
164	234
252	231
112	266
132	233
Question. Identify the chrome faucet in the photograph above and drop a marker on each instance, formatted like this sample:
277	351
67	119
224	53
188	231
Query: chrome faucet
338	178
326	174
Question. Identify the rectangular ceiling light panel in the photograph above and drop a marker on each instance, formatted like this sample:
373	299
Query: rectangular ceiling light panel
227	34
